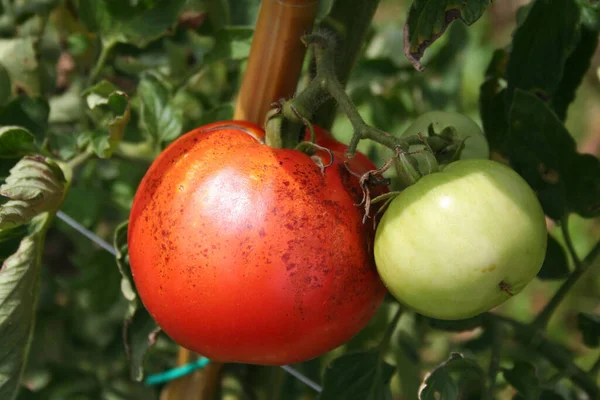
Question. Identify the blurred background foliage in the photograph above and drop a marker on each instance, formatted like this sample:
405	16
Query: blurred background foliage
78	348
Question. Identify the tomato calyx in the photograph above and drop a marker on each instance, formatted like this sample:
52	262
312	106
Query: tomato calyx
372	178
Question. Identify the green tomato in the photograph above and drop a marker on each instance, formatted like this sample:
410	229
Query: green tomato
462	241
476	146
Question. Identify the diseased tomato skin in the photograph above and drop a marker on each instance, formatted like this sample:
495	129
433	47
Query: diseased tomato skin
244	253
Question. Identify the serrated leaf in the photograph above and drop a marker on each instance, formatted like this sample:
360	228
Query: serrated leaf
428	19
541	45
111	108
30	113
589	325
35	185
523	377
15	141
140	333
140	330
19	286
161	121
457	377
555	264
19	57
575	69
126	23
357	376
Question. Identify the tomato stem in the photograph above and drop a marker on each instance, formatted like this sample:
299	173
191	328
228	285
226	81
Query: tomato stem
348	23
390	330
326	85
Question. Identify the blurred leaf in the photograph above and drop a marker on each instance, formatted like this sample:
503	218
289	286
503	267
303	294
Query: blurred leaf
15	142
455	378
67	107
556	265
583	186
5	85
223	112
122	22
19	286
20	58
540	47
541	150
427	21
162	122
232	43
590	13
35	185
111	108
575	69
219	13
523	377
456	325
30	113
492	102
359	375
589	325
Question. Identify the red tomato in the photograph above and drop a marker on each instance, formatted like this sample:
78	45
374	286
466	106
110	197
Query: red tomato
245	253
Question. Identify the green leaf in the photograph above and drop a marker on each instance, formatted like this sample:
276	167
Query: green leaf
589	325
555	264
540	47
162	122
140	331
5	85
15	142
110	107
122	22
19	289
455	378
590	14
541	150
575	69
30	113
35	185
523	377
583	186
19	57
232	43
359	375
428	19
492	102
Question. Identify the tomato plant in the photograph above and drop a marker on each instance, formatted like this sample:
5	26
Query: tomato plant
97	94
236	248
461	241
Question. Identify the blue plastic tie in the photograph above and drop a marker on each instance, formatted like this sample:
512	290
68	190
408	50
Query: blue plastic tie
176	373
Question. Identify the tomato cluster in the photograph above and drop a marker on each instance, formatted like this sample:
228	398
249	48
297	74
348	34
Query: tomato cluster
246	253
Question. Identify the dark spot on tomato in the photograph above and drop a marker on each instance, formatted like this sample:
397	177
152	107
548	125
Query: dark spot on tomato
261	233
286	183
290	267
289	226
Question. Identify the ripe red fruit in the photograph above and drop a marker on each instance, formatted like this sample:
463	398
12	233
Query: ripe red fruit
245	253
